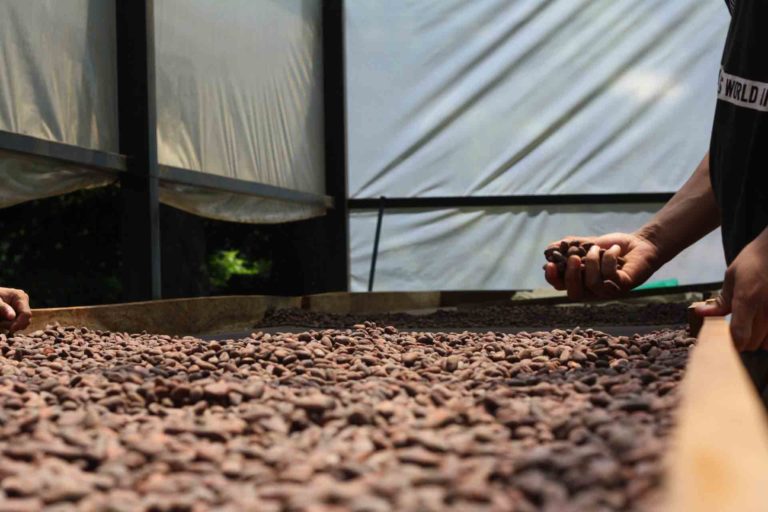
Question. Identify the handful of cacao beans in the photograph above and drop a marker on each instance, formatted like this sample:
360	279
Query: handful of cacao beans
559	255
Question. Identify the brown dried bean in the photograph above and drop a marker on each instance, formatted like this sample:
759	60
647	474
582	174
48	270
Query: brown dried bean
368	418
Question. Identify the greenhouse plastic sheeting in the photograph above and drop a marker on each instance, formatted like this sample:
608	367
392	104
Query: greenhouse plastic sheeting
239	94
57	82
218	205
498	248
492	97
26	178
540	97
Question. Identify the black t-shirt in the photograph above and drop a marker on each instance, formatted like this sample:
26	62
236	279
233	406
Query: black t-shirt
739	146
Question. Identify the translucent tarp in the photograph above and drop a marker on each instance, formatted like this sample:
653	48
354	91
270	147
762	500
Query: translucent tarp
58	79
227	206
24	178
58	82
239	94
498	248
491	97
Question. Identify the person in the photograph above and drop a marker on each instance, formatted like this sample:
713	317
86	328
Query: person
729	188
15	314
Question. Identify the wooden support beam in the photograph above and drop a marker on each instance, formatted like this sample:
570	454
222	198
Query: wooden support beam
719	456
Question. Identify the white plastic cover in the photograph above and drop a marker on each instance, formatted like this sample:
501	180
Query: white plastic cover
498	248
57	82
239	94
24	178
491	97
227	206
448	97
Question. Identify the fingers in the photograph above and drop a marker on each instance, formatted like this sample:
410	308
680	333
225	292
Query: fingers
722	304
573	278
601	272
557	243
15	313
748	329
609	266
720	307
20	303
22	322
743	316
553	276
759	331
7	312
595	276
593	279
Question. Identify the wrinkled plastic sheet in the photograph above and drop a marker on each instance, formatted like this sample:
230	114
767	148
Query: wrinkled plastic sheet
491	97
239	94
498	248
58	79
218	205
58	83
26	178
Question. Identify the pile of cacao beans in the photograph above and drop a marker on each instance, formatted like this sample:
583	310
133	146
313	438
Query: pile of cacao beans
559	255
362	419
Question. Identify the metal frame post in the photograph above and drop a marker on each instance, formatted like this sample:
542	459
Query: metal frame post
334	98
376	238
138	141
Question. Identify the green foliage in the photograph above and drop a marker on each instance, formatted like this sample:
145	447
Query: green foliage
66	251
224	264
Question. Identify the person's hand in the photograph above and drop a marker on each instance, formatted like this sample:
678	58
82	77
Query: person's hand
597	279
745	296
14	310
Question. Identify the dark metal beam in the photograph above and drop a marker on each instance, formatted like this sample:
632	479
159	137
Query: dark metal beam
236	186
33	146
334	100
138	141
512	200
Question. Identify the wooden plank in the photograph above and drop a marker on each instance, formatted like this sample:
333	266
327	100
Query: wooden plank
719	456
204	315
215	315
371	302
695	322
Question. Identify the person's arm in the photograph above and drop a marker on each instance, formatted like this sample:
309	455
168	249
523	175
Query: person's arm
691	214
15	313
687	217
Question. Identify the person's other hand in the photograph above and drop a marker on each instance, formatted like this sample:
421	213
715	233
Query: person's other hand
15	314
597	279
745	296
